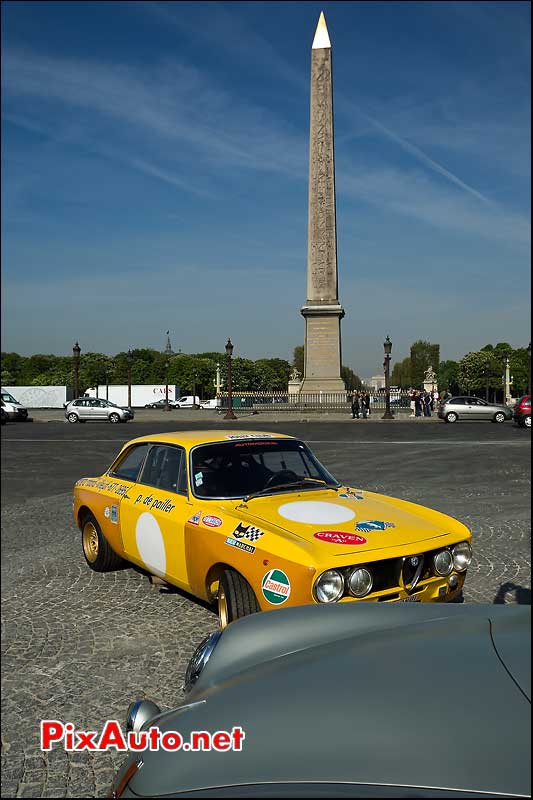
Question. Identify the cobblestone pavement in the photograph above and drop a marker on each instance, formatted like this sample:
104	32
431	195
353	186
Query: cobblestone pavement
80	646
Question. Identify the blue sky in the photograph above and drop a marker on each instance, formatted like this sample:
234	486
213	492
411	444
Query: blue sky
155	167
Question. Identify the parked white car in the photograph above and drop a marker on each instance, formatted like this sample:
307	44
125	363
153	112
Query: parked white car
210	404
188	401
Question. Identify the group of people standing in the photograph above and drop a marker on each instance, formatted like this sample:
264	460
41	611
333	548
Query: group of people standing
423	402
360	405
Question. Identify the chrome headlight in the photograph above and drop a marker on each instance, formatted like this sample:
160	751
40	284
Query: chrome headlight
329	587
443	562
360	582
462	556
199	659
139	713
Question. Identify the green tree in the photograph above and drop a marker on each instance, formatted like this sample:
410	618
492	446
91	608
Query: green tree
447	376
352	382
401	373
423	355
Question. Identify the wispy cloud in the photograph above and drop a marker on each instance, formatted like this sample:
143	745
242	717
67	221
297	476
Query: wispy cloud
413	194
171	101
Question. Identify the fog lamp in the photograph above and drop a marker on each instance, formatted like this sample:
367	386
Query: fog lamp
139	713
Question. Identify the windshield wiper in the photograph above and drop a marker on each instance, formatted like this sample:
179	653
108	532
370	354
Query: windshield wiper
295	484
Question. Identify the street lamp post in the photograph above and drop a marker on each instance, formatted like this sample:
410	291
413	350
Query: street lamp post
167	365
487	374
229	352
76	350
387	346
506	390
193	387
107	384
130	360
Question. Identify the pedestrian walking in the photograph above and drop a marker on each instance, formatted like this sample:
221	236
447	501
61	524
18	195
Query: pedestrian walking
418	404
427	404
412	403
355	405
366	400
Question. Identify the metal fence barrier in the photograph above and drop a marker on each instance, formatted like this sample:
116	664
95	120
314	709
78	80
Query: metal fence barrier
315	401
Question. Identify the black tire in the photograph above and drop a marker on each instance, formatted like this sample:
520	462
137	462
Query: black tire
526	422
236	598
499	416
73	418
451	416
97	552
114	418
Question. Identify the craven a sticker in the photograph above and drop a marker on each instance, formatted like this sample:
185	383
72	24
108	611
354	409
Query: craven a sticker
339	537
276	587
114	513
248	532
195	519
107	512
369	525
248	548
211	521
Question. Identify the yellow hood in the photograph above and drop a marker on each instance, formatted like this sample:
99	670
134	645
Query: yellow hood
351	524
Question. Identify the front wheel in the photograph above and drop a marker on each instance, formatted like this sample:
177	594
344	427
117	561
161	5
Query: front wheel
98	554
526	422
114	418
236	598
451	416
499	416
73	418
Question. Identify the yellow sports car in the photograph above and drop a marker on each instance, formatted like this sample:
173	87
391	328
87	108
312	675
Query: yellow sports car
254	521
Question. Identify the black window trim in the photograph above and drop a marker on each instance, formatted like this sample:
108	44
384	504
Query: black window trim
152	485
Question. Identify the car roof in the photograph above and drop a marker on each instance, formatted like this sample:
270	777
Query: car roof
192	438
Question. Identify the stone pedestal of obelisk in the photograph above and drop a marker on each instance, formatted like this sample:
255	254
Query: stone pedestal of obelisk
322	312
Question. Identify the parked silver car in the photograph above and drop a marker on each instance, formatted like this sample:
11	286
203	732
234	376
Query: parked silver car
470	408
350	700
85	408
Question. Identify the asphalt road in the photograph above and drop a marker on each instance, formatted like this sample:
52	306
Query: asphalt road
79	646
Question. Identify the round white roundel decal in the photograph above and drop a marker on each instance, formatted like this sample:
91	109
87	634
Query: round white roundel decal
150	543
316	512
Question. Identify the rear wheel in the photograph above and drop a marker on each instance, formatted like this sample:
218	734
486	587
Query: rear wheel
451	416
236	598
98	554
72	417
499	416
526	422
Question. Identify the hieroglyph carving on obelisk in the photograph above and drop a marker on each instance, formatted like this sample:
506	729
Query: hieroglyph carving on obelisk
322	313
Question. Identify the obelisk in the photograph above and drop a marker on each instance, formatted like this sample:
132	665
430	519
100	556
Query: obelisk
322	312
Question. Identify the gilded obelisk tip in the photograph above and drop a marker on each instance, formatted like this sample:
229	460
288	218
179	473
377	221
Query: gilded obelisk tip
321	39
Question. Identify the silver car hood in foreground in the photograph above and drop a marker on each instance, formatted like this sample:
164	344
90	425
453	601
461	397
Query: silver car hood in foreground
402	695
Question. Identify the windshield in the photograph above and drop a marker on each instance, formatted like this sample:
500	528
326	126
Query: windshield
238	469
8	398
